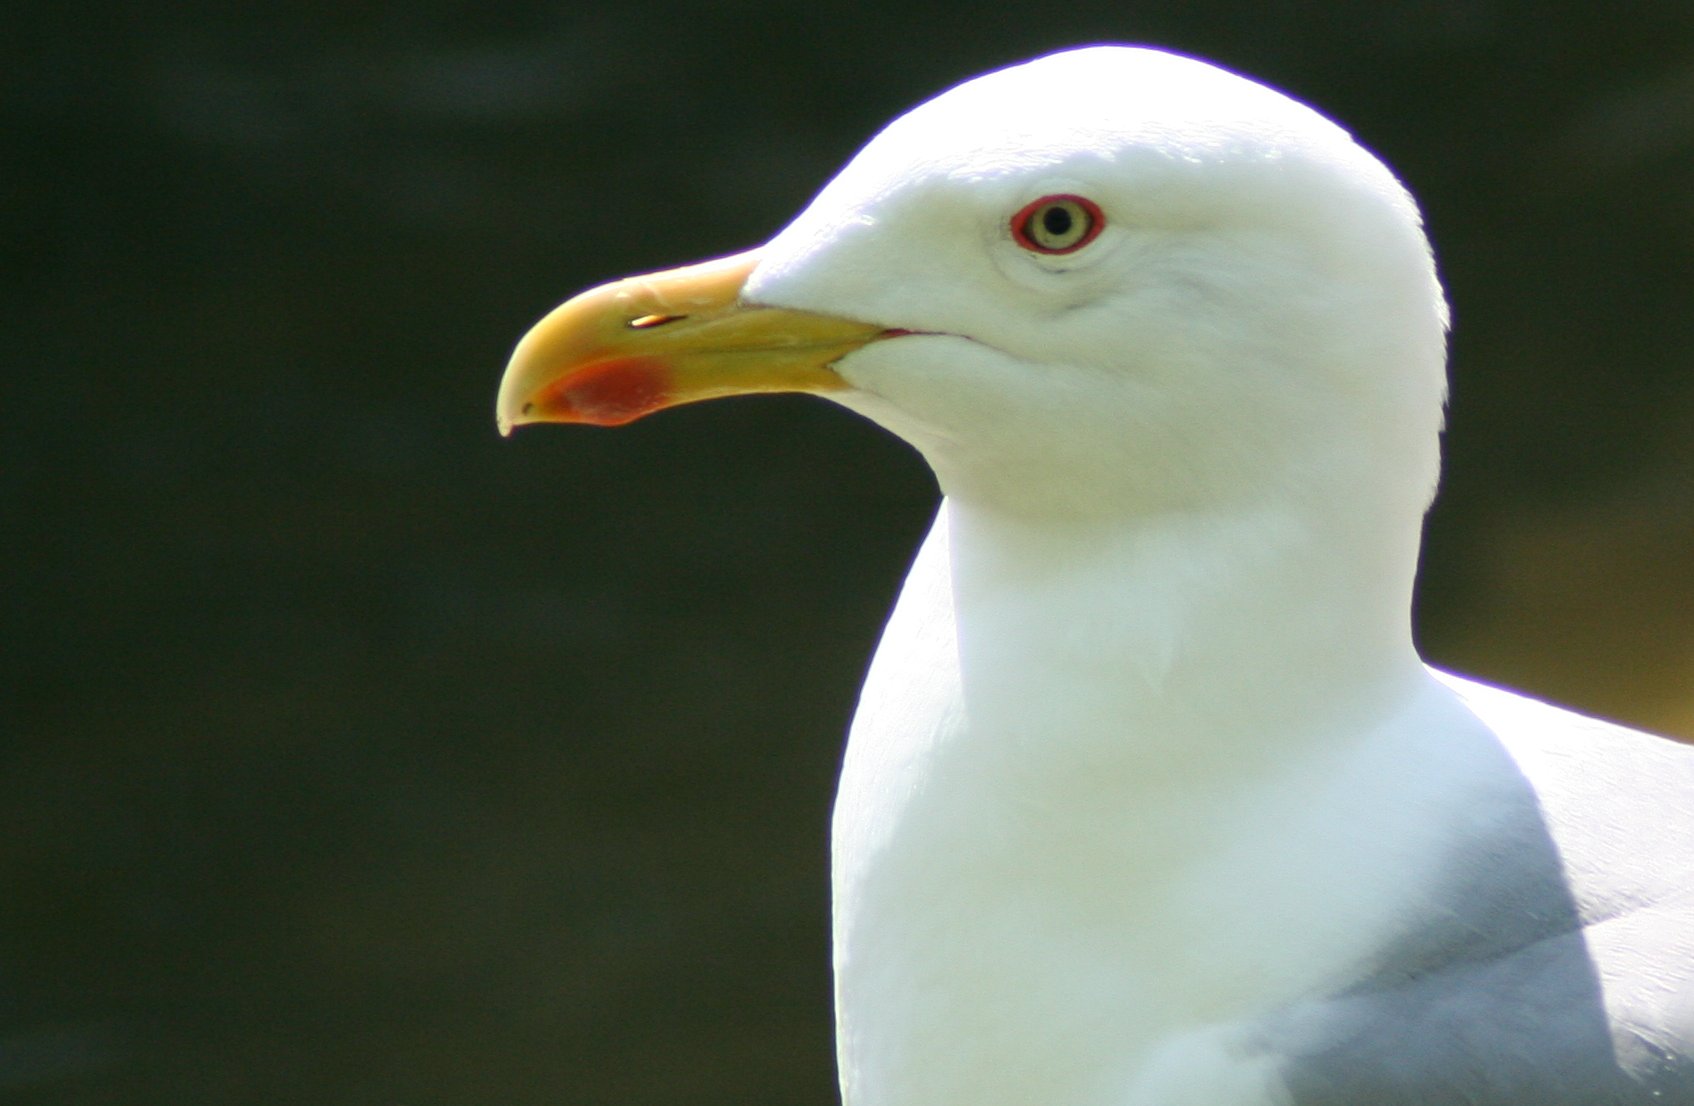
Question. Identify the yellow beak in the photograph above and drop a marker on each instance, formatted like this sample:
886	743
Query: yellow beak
635	346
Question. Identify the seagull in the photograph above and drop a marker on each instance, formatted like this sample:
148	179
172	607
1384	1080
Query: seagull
1149	799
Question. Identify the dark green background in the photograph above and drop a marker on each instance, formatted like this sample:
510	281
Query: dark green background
354	756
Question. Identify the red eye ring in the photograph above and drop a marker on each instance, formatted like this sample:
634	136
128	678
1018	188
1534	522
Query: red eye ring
1058	224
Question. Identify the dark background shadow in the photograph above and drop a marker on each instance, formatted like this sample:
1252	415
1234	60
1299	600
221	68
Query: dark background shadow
352	755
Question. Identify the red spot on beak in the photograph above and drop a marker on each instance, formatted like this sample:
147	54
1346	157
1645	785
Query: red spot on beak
607	393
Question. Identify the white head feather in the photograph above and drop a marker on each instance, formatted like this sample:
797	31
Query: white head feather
1260	315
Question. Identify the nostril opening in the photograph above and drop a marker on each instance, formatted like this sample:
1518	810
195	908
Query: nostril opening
647	322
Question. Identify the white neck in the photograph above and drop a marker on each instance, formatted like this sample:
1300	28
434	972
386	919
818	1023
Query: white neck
1169	615
1047	779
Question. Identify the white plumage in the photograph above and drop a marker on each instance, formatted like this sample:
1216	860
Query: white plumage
1149	799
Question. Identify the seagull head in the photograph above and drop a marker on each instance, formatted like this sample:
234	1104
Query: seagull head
1108	280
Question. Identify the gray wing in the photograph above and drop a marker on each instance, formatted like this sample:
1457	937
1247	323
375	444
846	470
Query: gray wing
1532	1027
1556	966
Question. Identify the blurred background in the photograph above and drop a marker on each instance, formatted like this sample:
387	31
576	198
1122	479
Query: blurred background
352	755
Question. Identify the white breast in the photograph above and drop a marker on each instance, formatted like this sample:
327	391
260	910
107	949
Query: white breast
1035	902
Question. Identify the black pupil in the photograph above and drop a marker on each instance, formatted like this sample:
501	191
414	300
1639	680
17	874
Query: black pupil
1056	221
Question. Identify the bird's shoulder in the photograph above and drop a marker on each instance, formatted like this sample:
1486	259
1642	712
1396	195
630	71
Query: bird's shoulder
1553	961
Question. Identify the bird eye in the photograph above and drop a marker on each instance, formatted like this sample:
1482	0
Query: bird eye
1057	224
